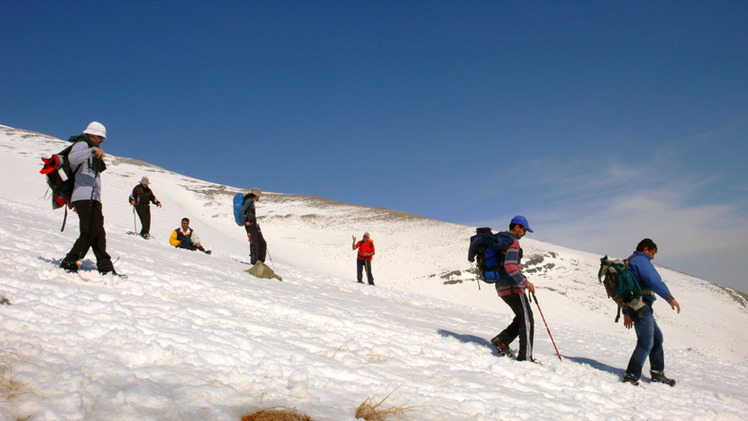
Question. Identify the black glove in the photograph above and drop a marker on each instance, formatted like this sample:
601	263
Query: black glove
98	165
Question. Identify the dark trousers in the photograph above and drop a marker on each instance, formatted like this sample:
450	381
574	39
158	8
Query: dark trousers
144	213
360	265
189	245
523	325
92	235
257	245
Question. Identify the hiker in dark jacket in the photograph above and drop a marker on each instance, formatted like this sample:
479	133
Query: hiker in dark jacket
257	244
511	286
141	198
648	334
87	160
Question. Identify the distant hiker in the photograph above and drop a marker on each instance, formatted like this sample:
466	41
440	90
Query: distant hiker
185	238
365	254
648	334
87	158
257	244
141	198
511	285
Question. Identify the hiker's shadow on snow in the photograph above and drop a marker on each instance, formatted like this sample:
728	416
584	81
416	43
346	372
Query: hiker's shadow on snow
85	265
597	364
468	339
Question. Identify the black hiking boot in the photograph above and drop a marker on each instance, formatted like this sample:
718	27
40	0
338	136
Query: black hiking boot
112	272
659	377
106	267
628	379
501	347
69	265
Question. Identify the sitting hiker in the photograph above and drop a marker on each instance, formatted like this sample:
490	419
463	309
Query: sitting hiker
184	237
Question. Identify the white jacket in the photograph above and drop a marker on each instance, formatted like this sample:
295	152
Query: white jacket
85	179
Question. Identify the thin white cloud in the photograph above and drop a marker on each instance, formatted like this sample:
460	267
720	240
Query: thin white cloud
609	206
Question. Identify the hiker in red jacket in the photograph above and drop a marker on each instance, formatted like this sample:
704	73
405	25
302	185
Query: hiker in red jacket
365	254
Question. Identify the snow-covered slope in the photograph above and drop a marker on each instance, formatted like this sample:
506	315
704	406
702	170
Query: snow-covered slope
190	336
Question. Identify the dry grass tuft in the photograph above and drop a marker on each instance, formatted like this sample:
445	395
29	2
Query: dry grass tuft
9	389
282	414
371	411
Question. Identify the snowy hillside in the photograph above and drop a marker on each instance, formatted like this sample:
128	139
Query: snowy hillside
190	336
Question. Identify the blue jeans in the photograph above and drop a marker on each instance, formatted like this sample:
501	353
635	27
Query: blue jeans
648	343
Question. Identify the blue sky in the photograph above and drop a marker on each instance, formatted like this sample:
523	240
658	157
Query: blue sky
603	122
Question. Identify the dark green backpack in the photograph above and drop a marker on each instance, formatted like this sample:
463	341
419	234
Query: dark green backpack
620	284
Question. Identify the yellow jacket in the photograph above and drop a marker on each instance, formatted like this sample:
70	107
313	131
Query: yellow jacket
177	235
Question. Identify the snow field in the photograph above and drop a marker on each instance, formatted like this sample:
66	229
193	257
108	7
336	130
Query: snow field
189	336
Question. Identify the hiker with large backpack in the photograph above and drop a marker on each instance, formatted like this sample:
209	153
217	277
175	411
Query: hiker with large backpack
86	158
248	216
500	258
648	334
141	198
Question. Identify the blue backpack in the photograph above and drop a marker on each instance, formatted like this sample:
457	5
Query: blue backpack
238	202
620	284
485	250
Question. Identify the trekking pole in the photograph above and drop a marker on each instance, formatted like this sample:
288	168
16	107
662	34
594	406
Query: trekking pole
270	257
134	224
546	324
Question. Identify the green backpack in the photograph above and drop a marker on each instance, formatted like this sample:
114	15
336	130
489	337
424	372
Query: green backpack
620	284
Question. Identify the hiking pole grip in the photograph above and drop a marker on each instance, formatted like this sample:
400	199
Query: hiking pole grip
546	325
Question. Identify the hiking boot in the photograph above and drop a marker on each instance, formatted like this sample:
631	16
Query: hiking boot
501	347
659	377
145	236
629	379
69	265
106	267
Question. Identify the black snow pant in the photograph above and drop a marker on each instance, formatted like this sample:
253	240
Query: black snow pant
523	325
189	245
360	265
92	235
144	213
257	245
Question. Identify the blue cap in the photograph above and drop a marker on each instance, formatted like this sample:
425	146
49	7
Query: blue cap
521	220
